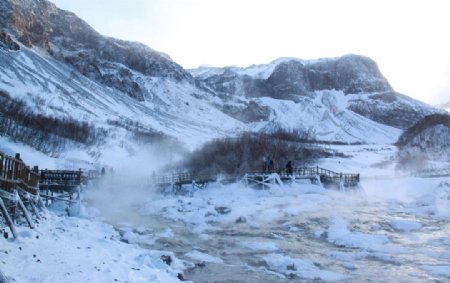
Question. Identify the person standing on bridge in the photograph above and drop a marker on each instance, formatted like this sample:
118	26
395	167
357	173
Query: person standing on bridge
267	164
271	167
289	168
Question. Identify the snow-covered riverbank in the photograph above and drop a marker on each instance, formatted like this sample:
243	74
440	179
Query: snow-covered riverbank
76	249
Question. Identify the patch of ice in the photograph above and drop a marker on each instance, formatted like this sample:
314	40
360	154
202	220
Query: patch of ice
405	225
439	270
339	234
199	256
259	246
303	268
168	233
129	237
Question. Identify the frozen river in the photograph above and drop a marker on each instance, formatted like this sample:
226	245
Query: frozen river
388	231
393	229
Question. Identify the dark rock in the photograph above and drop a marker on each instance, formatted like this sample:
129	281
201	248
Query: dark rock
167	259
200	264
241	219
288	79
208	214
251	112
222	210
7	42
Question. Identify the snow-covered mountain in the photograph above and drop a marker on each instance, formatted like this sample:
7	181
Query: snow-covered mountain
293	79
60	67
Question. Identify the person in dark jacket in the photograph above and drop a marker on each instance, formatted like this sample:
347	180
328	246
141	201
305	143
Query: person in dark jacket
289	168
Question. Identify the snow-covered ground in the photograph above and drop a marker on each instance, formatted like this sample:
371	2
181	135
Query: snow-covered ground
75	249
395	228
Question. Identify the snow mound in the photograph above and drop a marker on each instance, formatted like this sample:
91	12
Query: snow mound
129	237
339	234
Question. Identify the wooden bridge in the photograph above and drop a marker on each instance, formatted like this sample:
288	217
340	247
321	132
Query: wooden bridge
315	175
19	191
433	173
23	190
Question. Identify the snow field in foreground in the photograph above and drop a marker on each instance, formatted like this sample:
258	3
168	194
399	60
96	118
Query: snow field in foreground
71	249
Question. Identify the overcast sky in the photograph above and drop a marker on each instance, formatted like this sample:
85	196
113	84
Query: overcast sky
408	39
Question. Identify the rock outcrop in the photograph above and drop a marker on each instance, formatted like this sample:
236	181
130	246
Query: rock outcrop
429	137
68	38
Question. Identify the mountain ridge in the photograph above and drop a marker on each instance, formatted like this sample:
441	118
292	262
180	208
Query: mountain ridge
61	67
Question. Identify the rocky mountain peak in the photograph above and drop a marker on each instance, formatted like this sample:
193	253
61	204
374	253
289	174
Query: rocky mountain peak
286	78
28	20
39	23
349	73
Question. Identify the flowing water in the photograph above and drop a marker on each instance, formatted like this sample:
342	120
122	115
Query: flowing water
310	245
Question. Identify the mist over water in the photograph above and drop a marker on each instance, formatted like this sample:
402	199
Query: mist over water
394	228
390	230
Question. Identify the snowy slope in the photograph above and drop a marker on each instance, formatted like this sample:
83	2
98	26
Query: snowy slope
178	109
326	117
54	89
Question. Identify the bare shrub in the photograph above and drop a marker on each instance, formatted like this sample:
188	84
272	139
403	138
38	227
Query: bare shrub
248	152
18	121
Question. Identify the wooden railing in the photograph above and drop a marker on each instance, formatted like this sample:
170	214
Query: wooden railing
60	179
181	178
326	176
15	173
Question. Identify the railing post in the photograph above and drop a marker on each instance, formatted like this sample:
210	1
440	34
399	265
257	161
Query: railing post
2	159
16	167
9	169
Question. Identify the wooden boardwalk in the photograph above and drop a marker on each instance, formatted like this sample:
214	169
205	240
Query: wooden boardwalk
19	191
316	174
23	190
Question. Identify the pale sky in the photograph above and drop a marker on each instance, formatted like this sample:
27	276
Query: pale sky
410	40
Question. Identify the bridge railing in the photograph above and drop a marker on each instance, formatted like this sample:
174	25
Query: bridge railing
184	177
325	174
15	173
314	171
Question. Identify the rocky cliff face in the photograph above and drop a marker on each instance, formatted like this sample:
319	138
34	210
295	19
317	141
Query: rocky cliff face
293	79
429	137
67	38
287	78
